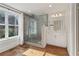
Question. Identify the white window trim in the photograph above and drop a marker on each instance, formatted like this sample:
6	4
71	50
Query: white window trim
7	12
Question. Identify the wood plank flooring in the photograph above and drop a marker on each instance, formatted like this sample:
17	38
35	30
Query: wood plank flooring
27	50
77	53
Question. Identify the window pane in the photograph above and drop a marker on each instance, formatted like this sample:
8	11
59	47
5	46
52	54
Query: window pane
2	31
11	31
11	19
2	17
16	30
16	20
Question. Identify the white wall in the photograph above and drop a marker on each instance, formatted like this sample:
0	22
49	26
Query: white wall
70	15
9	43
69	41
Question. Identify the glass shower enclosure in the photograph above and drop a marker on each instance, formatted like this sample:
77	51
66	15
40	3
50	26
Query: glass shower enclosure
33	35
33	29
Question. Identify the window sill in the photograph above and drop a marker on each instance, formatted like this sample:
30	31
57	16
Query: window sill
2	39
13	37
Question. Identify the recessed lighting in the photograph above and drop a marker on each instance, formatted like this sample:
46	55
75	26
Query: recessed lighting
50	5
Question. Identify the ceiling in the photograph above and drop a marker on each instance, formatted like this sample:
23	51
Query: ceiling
40	8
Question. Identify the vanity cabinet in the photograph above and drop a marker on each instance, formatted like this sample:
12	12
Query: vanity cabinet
56	32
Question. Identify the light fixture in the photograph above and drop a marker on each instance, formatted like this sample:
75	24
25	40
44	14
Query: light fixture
60	14
56	15
50	5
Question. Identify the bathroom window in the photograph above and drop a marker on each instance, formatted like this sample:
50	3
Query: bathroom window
2	24
2	31
8	24
11	20
13	25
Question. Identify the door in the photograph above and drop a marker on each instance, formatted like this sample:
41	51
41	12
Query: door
33	33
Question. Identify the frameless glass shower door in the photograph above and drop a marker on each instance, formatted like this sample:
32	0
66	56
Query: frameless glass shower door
33	29
33	32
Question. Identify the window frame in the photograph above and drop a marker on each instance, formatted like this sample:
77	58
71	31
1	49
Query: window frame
8	12
14	25
3	24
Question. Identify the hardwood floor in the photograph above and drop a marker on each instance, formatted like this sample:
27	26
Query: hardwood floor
77	53
27	50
